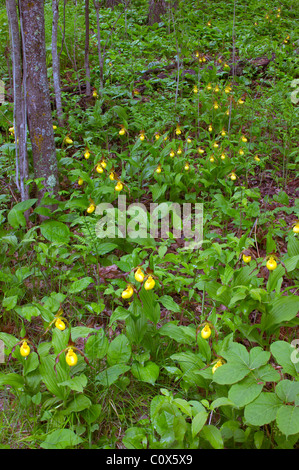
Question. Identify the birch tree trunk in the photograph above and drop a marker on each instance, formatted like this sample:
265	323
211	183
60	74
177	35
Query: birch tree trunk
86	57
55	63
19	90
38	97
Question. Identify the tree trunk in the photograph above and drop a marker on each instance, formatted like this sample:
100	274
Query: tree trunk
55	63
19	92
101	58
112	3
86	57
157	8
38	97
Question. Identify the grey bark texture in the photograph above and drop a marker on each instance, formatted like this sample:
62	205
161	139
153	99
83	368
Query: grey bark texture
19	87
55	63
112	3
86	56
37	96
157	8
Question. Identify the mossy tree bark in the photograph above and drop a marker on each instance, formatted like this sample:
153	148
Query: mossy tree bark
38	97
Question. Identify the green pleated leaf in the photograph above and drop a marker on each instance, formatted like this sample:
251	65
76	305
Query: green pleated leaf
61	439
13	380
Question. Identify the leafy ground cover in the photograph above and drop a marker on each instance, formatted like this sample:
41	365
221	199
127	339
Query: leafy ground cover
139	343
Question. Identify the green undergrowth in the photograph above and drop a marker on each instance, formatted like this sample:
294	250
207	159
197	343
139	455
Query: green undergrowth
223	140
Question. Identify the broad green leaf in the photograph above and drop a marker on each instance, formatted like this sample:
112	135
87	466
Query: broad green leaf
9	340
80	285
51	380
31	363
82	332
169	303
291	263
230	373
198	422
287	390
213	436
283	353
267	373
147	373
28	311
61	439
16	217
283	309
135	438
244	392
258	358
119	314
92	413
181	334
293	246
222	401
274	278
55	231
204	348
236	352
287	419
60	339
80	402
108	376
13	380
96	345
183	405
10	302
76	383
263	409
150	306
119	350
179	428
105	248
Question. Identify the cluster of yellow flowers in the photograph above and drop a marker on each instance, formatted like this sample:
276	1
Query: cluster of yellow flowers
140	277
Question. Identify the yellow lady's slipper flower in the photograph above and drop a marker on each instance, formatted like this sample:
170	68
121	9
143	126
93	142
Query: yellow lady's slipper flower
206	332
139	275
149	283
128	292
71	358
119	186
271	264
25	349
60	325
